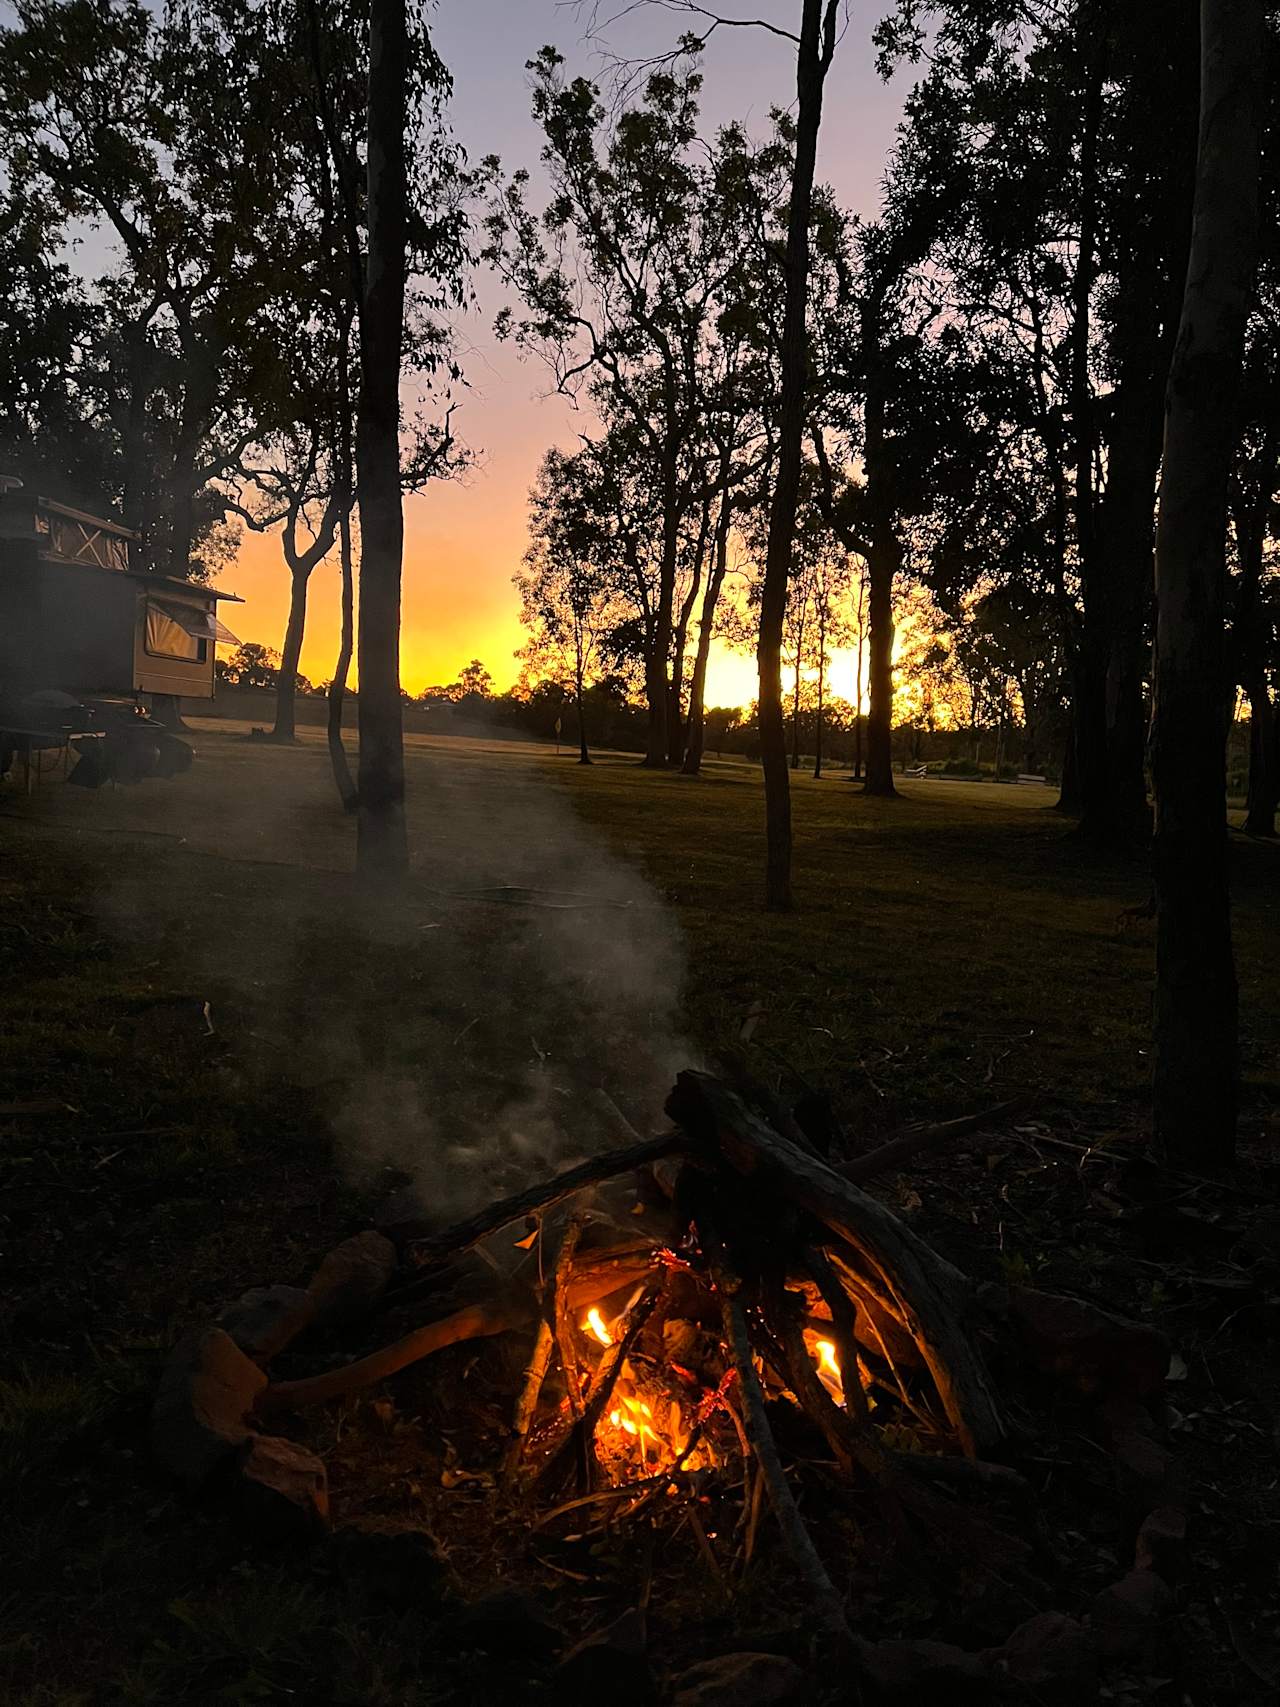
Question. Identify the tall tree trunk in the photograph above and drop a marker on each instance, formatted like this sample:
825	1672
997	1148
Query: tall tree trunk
1195	1081
579	671
1264	760
677	732
658	663
822	663
137	461
342	777
884	554
1068	801
857	686
706	628
882	568
1249	645
1089	722
382	850
817	44
287	686
1115	811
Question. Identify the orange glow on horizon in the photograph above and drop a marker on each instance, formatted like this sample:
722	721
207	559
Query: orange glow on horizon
457	602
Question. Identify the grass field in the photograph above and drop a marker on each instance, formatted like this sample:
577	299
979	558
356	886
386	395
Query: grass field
214	1052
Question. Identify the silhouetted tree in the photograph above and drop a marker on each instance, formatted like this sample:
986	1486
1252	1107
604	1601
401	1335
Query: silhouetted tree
1196	1000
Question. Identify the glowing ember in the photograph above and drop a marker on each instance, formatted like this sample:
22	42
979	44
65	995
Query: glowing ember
594	1324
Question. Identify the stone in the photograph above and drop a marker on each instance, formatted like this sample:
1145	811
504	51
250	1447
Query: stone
1162	1541
202	1409
351	1277
1131	1618
910	1672
281	1489
611	1665
1096	1351
1051	1659
744	1680
268	1318
507	1625
394	1561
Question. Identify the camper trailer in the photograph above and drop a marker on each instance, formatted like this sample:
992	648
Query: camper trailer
84	635
77	617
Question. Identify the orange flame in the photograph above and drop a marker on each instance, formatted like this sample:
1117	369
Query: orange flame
595	1324
829	1369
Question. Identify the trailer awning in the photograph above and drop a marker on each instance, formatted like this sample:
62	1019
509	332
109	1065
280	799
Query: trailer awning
199	624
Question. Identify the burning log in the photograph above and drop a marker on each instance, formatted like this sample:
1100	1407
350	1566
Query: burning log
799	1543
929	1297
751	1253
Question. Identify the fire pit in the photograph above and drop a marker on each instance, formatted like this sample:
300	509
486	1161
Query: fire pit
713	1321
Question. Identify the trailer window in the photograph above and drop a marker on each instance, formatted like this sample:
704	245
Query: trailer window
168	637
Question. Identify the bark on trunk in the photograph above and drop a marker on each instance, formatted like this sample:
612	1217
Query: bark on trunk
795	706
706	628
342	777
1264	760
382	852
817	44
1249	641
1068	801
857	688
584	756
817	728
658	664
1090	685
882	567
1195	1081
677	731
287	687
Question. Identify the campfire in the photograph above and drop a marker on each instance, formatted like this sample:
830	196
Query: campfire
682	1295
701	1328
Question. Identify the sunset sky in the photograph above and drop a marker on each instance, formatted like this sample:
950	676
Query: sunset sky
463	541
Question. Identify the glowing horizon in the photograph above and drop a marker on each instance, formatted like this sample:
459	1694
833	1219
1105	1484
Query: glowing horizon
442	635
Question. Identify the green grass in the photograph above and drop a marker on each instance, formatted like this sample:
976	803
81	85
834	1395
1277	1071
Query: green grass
947	950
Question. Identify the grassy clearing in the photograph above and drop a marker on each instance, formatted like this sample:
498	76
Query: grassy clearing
212	1052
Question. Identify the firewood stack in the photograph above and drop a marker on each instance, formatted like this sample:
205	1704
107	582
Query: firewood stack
673	1292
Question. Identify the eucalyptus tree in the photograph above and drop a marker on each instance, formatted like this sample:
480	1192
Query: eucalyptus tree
570	599
55	391
815	49
1252	505
621	284
1196	1023
899	433
151	130
1048	151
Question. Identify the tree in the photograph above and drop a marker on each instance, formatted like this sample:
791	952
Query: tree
1047	159
625	284
569	595
149	128
1195	1079
251	665
414	218
382	849
814	53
